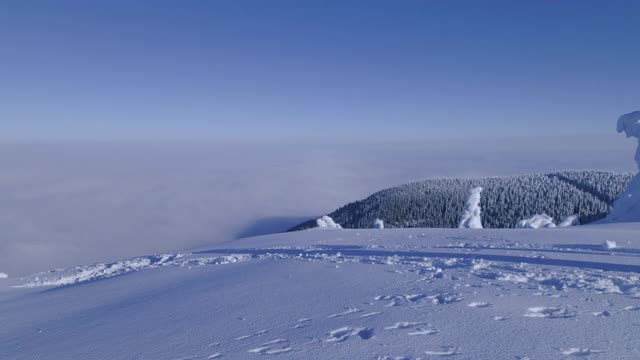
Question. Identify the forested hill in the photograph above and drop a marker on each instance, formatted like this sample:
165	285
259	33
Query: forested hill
505	200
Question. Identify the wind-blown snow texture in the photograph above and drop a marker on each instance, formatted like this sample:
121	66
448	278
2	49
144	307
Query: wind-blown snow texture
347	294
471	217
504	202
627	207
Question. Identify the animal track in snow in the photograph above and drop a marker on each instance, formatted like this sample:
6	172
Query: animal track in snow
549	312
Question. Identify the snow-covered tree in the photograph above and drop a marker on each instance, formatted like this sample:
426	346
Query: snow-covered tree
627	207
327	222
471	214
378	224
438	203
571	220
536	222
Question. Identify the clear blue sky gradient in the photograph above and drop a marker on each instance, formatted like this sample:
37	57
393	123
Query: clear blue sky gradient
317	69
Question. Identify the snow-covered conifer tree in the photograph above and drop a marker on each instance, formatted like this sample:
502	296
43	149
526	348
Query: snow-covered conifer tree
471	214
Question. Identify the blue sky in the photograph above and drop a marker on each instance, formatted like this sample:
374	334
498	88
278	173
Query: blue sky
315	69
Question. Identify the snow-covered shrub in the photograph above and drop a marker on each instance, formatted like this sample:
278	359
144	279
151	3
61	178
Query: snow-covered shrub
536	222
327	222
571	220
378	224
471	214
627	207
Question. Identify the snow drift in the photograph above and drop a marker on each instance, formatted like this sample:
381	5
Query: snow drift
627	207
471	215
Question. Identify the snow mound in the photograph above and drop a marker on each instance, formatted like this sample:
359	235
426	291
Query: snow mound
378	224
327	222
571	220
3	275
627	207
471	214
536	222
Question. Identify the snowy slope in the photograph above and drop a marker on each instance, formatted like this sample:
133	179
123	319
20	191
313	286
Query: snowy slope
344	294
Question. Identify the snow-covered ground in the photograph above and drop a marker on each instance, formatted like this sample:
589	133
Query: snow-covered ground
343	294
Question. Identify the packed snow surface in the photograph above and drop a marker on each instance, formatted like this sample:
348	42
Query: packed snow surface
536	222
349	294
627	207
471	214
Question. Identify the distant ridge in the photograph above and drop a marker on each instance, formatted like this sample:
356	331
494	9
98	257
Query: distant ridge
437	203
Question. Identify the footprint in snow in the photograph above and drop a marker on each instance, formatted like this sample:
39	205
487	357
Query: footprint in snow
445	298
342	334
604	313
549	312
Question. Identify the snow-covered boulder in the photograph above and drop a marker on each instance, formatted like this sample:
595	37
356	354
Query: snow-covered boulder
378	224
571	220
327	222
536	222
471	215
627	207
